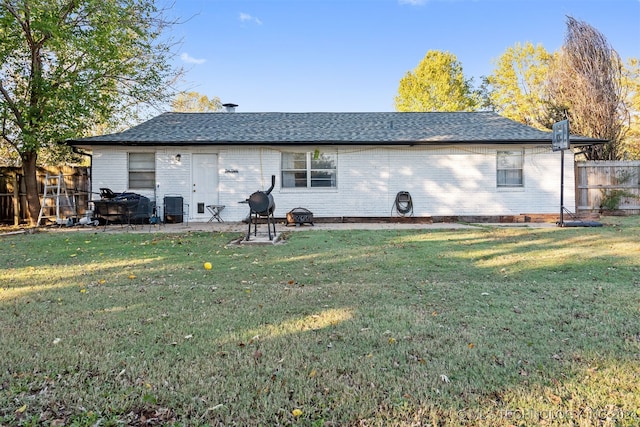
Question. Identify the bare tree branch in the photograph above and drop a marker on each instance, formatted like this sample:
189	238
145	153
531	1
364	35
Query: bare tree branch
587	82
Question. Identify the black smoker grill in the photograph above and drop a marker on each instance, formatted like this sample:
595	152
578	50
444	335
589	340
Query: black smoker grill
261	204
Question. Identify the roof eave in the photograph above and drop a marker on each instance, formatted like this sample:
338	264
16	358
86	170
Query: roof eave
85	143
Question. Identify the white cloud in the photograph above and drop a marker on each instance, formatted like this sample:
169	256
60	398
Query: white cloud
191	60
245	17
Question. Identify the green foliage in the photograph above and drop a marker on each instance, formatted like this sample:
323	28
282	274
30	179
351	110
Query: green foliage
585	81
436	84
612	198
518	85
69	66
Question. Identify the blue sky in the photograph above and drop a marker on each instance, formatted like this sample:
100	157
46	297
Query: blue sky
349	55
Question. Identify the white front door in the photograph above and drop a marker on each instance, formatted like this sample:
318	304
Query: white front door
205	185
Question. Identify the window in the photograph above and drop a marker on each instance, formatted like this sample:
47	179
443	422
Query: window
309	170
142	170
510	169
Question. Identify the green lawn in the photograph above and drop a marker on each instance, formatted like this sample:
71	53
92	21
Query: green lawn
480	327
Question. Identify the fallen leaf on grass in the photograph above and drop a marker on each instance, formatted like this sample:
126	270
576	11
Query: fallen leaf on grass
21	409
553	398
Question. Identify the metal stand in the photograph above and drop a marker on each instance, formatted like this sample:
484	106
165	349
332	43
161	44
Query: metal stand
562	209
215	211
254	217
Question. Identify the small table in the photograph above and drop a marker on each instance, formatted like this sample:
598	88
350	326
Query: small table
215	211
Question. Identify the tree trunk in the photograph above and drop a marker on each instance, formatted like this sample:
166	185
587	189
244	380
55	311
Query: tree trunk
30	169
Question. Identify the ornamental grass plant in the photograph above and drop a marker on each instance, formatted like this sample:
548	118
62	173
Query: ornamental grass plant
486	326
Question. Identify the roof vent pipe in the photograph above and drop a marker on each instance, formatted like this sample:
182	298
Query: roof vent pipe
230	108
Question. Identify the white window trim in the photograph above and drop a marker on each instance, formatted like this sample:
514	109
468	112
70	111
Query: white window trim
149	170
518	187
309	169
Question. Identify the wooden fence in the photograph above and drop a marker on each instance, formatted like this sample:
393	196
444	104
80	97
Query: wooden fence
608	187
13	193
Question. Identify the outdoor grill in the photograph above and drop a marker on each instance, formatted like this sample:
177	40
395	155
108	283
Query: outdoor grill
261	204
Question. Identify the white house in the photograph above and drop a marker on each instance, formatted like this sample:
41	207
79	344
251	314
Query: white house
338	164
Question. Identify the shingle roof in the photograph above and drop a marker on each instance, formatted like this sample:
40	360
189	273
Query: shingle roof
326	128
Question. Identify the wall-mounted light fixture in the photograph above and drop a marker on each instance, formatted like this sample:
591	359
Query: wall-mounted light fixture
178	158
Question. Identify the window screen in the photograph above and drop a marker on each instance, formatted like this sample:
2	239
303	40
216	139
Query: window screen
510	169
142	170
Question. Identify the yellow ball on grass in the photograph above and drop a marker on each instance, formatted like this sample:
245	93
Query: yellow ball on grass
207	266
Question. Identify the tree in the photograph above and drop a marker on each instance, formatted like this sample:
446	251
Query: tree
586	81
436	84
186	102
71	65
517	89
629	147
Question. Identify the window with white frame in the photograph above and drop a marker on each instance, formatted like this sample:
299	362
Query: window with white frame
309	170
142	171
509	169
